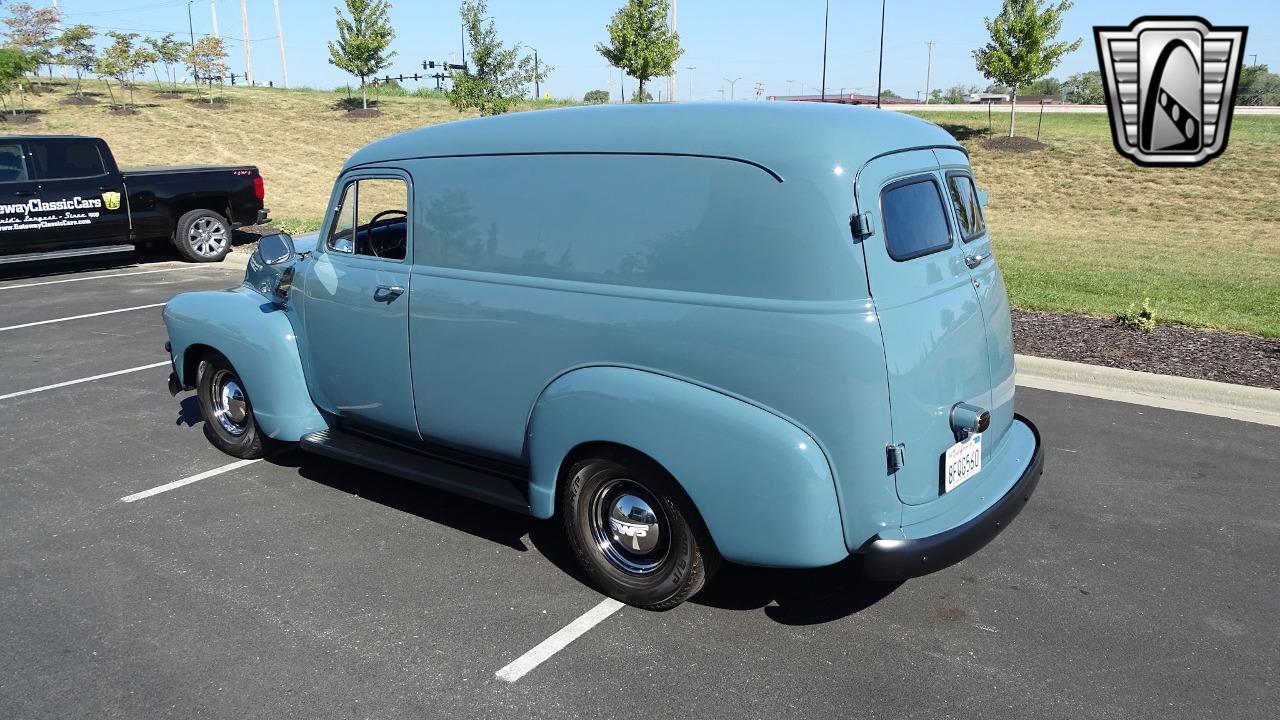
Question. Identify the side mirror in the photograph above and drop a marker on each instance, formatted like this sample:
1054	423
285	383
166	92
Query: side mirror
982	197
275	249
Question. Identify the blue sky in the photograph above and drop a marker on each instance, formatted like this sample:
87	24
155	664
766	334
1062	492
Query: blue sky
775	43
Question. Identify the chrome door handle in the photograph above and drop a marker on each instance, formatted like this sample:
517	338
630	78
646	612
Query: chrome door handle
974	261
387	293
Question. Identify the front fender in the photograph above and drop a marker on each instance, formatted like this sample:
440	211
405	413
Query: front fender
762	486
258	339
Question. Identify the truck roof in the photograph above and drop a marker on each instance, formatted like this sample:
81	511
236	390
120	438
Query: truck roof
775	135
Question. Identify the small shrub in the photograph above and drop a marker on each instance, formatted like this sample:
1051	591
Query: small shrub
596	97
298	226
1141	319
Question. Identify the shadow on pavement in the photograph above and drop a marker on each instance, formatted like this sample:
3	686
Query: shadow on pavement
795	597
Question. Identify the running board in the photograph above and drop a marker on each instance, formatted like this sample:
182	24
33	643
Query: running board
503	492
61	254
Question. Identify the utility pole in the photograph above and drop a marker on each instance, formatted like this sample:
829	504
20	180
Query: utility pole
1255	58
248	46
880	72
789	83
671	81
691	68
537	90
731	84
928	73
192	31
213	11
759	90
284	66
826	16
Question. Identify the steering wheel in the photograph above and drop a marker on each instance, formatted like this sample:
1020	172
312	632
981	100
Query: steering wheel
373	223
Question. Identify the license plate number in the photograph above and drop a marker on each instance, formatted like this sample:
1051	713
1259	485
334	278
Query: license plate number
963	461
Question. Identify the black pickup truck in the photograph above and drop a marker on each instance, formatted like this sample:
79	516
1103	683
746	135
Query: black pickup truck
63	196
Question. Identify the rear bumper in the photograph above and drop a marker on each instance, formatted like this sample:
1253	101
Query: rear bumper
888	559
264	216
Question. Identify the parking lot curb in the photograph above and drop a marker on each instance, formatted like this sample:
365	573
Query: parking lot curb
1237	402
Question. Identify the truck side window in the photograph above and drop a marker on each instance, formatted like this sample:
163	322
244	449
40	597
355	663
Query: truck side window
964	197
12	166
915	223
68	159
373	219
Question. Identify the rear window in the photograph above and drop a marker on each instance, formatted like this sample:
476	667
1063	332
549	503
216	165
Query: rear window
964	196
915	223
68	159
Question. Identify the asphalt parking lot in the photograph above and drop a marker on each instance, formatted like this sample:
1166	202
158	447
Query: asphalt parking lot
1140	582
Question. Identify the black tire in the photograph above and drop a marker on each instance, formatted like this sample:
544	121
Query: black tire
228	413
202	236
660	569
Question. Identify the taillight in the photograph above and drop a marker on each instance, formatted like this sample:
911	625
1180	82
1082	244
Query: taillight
259	190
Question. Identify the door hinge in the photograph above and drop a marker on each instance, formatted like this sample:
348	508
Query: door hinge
897	457
861	225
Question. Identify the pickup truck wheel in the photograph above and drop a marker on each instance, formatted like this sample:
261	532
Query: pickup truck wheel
202	236
228	414
635	533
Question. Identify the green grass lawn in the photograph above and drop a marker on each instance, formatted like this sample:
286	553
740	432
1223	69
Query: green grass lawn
1078	228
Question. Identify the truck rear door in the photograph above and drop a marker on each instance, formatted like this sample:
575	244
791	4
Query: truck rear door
80	195
930	318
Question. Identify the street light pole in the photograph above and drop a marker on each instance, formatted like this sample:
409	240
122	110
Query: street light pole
192	31
537	89
691	68
880	72
826	17
731	84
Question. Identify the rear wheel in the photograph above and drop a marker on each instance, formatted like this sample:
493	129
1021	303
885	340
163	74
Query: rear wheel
202	236
228	414
634	531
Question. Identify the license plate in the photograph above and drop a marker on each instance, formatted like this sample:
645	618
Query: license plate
963	461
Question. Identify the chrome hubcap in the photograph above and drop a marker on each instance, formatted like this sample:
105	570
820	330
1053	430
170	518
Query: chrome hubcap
207	237
230	408
626	527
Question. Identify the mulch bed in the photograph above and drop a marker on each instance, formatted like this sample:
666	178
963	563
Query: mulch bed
1168	350
20	119
79	100
168	96
1015	144
362	113
122	111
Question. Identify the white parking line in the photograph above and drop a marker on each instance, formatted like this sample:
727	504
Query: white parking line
187	481
80	317
55	386
557	642
97	277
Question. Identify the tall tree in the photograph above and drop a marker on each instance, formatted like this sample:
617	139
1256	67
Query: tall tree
1022	47
208	59
170	52
122	60
1085	88
32	30
955	95
641	42
363	39
1258	86
497	76
14	63
75	49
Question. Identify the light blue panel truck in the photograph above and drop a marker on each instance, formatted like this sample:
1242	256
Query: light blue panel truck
767	333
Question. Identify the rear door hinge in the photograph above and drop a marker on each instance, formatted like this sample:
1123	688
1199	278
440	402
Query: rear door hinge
861	225
897	457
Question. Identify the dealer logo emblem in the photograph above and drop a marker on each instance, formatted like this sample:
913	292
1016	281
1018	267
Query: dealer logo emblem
111	200
1170	84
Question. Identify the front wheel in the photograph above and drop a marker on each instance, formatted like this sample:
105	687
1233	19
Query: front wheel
228	414
202	236
634	532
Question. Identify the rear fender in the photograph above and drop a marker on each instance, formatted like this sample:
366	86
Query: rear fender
762	486
258	339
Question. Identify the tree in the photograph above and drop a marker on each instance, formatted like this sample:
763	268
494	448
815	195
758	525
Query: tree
955	95
1044	86
887	94
641	96
1085	88
1258	86
208	59
363	40
596	97
1022	48
32	30
640	41
170	52
935	95
76	50
14	63
122	59
497	75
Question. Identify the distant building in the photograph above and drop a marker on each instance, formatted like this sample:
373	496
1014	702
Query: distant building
845	99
